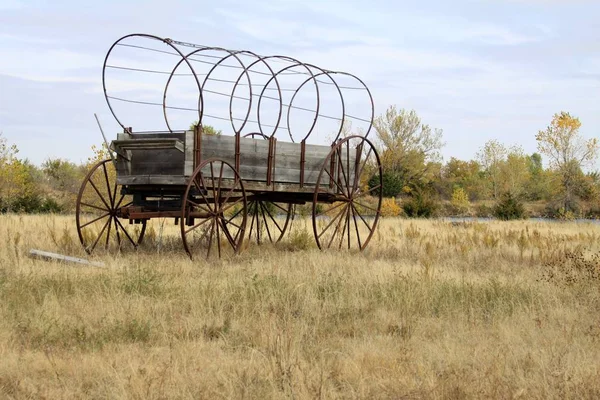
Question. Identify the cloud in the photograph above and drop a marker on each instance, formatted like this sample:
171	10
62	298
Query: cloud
478	69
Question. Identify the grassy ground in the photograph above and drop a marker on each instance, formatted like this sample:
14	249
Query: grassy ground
431	310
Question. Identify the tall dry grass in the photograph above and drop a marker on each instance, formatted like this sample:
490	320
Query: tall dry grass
431	309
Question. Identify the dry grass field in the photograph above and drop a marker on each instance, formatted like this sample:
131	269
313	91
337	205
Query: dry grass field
431	310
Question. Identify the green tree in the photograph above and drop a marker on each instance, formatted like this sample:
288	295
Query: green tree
538	186
514	172
491	156
460	200
466	175
62	180
567	153
206	129
409	147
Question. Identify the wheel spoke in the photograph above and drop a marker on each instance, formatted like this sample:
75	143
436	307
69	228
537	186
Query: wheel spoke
110	197
232	204
359	173
93	206
198	205
348	166
201	191
251	223
125	232
332	208
332	221
363	194
115	192
272	218
212	178
363	220
343	230
265	219
99	194
281	208
231	240
120	200
341	164
355	225
335	181
364	206
94	220
99	236
108	236
235	182
205	232
219	190
196	226
337	227
218	237
226	222
210	239
236	214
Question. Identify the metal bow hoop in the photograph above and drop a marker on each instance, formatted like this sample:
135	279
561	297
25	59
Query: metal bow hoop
276	69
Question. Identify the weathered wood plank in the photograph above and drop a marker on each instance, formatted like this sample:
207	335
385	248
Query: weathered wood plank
48	256
148	144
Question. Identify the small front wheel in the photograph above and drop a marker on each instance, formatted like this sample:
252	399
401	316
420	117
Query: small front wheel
96	212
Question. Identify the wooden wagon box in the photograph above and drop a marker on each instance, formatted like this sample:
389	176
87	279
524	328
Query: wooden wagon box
168	159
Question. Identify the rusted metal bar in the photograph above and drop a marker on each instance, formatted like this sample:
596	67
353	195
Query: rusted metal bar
166	214
274	158
197	145
237	151
302	161
332	167
270	158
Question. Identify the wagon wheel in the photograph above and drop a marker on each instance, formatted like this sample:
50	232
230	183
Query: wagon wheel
214	210
96	212
352	173
269	220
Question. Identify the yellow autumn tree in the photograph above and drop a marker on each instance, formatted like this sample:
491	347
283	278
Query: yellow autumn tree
567	151
15	180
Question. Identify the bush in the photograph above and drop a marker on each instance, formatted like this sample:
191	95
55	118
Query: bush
460	201
509	208
483	211
421	205
392	184
389	208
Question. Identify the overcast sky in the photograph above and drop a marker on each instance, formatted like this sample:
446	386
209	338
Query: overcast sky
479	69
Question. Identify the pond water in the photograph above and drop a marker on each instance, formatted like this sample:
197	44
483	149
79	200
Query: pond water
536	219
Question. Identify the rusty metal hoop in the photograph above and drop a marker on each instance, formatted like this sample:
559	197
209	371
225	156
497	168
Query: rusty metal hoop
212	198
101	204
275	74
347	182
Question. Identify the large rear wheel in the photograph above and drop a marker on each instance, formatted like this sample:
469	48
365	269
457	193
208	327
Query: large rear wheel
352	175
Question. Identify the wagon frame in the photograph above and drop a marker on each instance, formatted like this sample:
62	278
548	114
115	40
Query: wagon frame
212	184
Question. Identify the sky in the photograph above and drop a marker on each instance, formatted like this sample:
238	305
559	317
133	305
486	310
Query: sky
479	69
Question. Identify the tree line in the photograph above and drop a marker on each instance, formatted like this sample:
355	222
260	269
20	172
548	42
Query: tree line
501	180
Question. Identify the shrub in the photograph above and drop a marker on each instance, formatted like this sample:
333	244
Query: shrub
421	205
460	201
509	208
392	184
389	208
